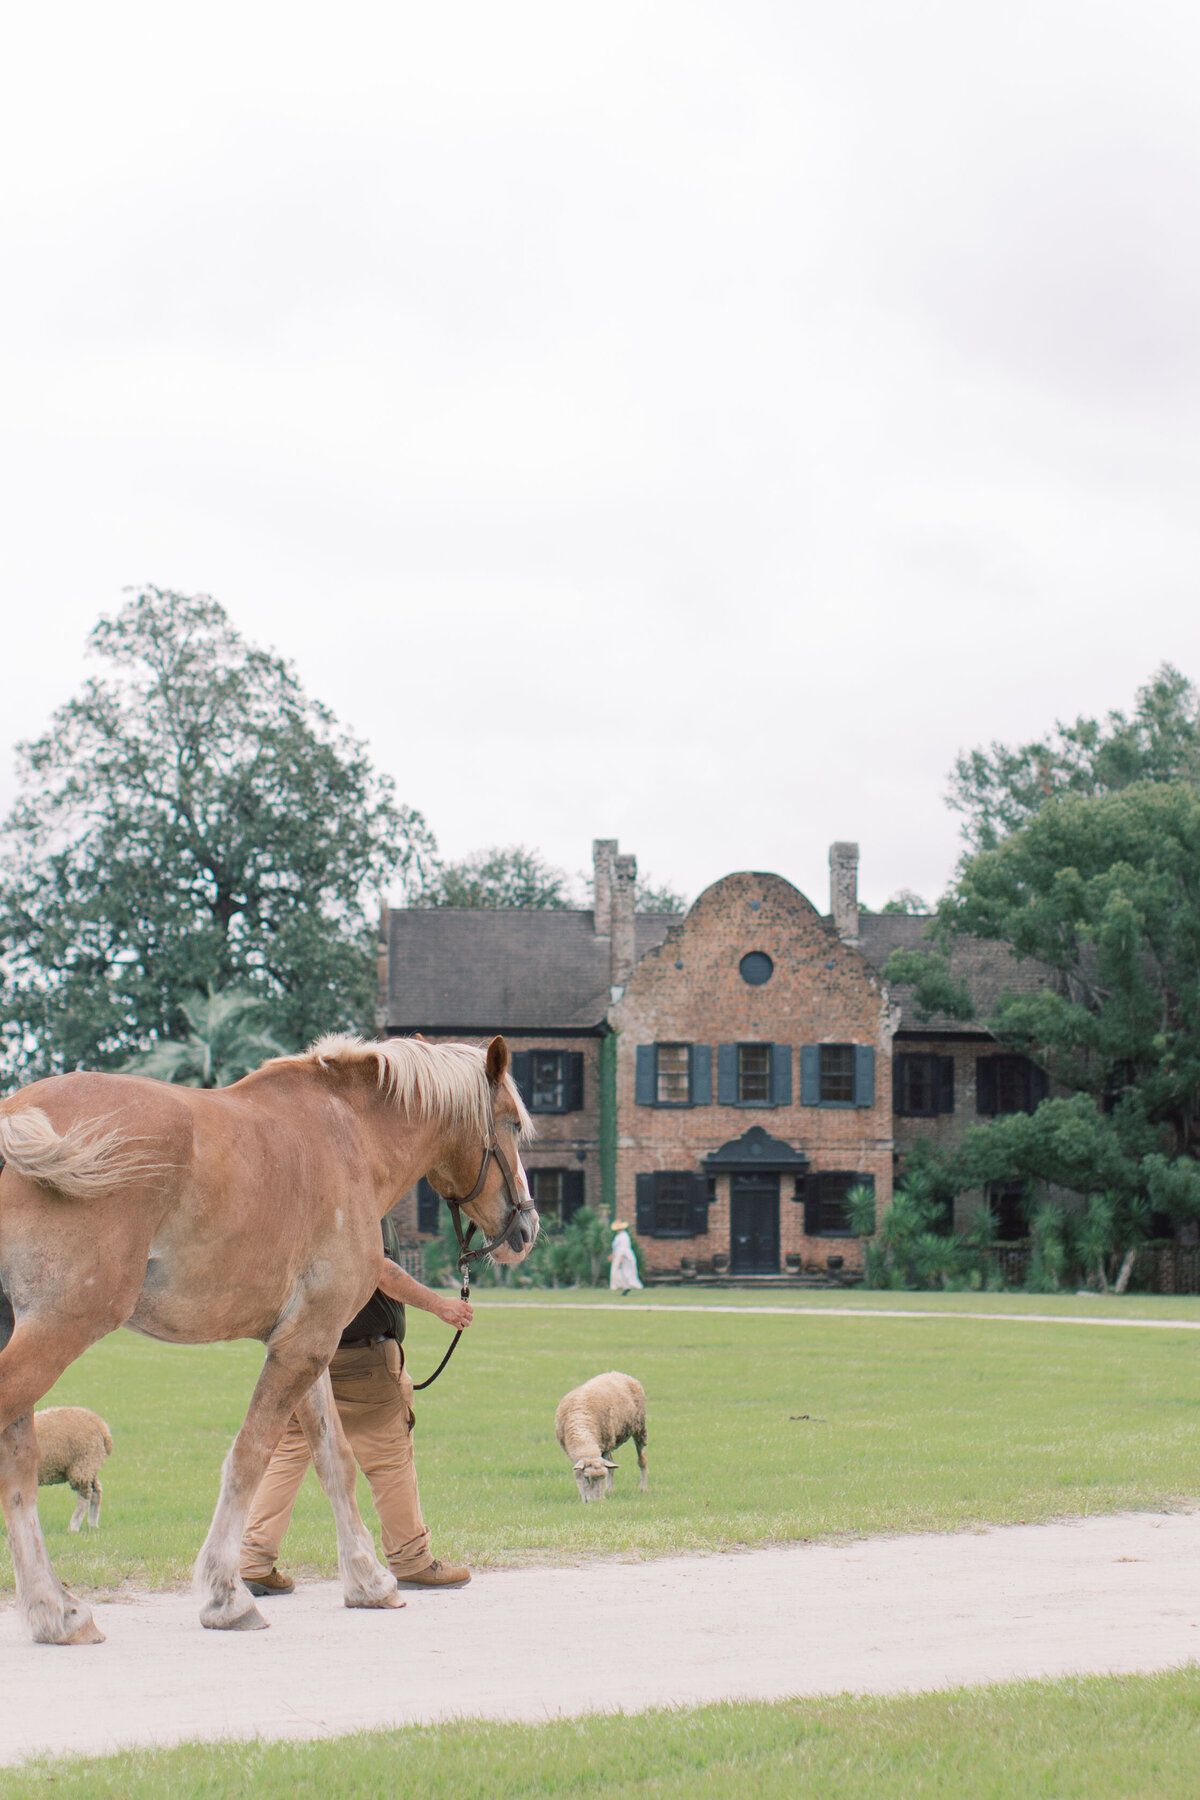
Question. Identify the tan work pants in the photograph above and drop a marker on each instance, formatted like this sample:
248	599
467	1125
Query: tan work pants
374	1401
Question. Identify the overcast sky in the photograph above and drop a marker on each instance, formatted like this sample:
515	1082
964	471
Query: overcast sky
692	423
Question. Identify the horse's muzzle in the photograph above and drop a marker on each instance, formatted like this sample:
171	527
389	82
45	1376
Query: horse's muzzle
523	1233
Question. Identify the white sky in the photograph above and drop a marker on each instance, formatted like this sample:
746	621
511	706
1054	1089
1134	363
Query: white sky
686	422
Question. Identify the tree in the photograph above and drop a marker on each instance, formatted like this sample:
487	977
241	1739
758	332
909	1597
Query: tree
1104	893
222	1042
190	818
501	876
659	897
1001	788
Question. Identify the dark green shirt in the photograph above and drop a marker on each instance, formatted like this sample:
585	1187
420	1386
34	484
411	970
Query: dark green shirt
380	1317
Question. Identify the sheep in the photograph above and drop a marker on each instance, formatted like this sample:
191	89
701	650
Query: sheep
72	1445
590	1423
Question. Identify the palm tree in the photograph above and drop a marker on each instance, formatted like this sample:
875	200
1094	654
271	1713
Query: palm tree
221	1045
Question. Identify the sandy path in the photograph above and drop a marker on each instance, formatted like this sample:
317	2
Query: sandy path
878	1615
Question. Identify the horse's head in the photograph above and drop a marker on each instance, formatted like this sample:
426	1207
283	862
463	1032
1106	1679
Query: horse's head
487	1179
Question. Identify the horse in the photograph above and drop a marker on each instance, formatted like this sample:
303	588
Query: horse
196	1216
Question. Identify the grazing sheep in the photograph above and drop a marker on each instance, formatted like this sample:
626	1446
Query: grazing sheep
72	1445
590	1423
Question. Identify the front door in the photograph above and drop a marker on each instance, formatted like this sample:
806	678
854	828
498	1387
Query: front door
754	1225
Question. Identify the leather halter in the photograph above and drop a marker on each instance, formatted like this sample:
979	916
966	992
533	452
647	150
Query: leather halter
466	1256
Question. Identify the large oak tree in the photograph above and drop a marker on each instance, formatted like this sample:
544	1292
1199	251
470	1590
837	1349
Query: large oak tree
191	820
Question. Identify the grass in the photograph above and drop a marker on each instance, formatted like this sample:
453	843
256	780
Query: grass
912	1424
1102	1738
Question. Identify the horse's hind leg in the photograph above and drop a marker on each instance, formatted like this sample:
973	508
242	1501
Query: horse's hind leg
225	1603
28	1368
365	1581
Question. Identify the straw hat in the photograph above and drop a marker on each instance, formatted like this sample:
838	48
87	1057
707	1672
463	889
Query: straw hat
619	1225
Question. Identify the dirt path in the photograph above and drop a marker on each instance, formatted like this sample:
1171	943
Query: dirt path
879	1615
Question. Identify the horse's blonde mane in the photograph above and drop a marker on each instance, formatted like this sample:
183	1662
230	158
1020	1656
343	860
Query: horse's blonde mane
445	1083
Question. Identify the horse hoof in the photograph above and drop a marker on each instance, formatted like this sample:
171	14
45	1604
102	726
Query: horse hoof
250	1620
87	1633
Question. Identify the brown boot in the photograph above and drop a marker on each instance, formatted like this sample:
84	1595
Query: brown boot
437	1575
270	1583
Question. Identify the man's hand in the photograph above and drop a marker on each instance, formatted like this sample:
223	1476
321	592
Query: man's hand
453	1311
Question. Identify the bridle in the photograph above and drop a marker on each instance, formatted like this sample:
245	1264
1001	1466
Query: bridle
456	1202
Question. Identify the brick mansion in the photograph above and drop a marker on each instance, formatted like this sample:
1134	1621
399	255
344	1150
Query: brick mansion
720	1079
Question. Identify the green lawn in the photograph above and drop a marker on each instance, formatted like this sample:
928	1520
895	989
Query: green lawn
913	1424
1105	1738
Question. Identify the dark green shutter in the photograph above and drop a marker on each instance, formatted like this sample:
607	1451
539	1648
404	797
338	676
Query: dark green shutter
781	1074
898	1085
644	1087
699	1205
944	1085
864	1074
727	1086
427	1207
812	1202
573	1081
1039	1086
985	1084
646	1221
701	1056
572	1193
521	1067
810	1075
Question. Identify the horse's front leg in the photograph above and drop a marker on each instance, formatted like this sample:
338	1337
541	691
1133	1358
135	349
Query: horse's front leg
225	1603
365	1580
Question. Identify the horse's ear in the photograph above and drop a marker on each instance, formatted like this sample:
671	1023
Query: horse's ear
497	1061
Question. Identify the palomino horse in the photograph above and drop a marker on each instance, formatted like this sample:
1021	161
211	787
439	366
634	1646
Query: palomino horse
246	1212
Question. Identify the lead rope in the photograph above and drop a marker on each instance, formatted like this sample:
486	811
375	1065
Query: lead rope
464	1270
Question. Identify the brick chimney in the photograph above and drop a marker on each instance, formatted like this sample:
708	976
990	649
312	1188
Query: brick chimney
623	953
843	890
382	953
603	852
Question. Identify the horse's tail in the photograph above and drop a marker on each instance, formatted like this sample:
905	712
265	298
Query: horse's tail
81	1161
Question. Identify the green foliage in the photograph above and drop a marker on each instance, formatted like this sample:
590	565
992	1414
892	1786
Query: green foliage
935	989
905	901
512	876
1106	1737
221	1045
572	1255
190	819
910	1246
1000	789
659	897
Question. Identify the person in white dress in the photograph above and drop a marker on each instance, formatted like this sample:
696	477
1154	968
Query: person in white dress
624	1263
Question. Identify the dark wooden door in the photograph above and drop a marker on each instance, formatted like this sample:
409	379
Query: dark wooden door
754	1225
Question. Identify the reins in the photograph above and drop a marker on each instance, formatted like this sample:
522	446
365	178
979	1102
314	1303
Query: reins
466	1256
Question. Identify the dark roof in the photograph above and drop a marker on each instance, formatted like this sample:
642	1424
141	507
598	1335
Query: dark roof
988	967
512	969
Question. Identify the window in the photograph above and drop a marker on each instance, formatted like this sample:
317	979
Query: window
673	1075
756	968
551	1081
825	1210
837	1075
1008	1204
922	1085
1008	1084
673	1203
557	1193
754	1074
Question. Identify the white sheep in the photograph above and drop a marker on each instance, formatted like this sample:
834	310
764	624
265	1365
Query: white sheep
72	1445
593	1420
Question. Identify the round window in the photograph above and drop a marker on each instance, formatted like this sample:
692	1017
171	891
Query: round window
756	967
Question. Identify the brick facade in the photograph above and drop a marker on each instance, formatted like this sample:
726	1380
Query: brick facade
784	1078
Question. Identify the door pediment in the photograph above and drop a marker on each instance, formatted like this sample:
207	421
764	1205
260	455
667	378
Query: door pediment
756	1149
